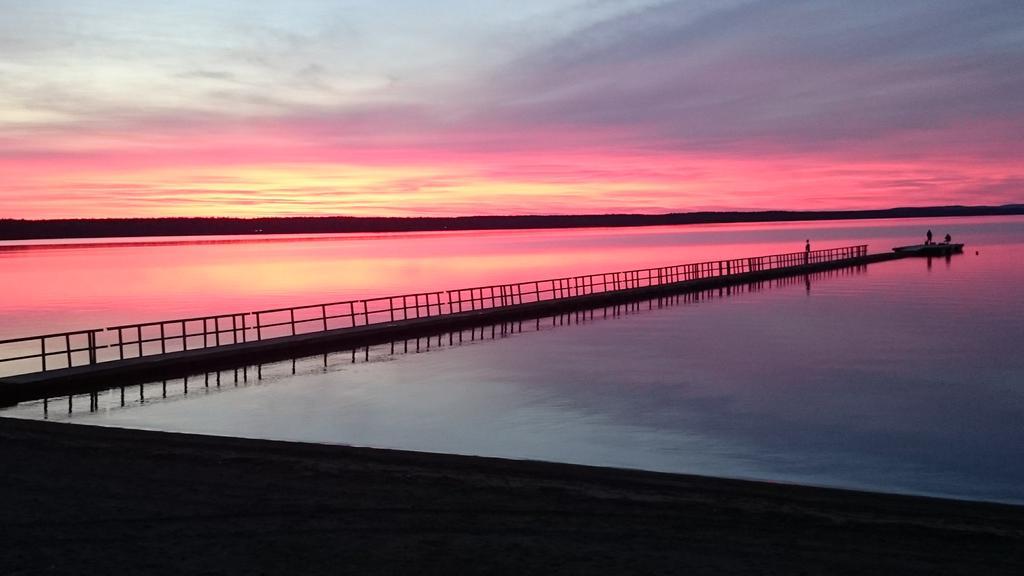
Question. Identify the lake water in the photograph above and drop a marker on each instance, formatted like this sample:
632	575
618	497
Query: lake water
902	376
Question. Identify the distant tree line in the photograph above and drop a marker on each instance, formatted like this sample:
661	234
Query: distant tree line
12	229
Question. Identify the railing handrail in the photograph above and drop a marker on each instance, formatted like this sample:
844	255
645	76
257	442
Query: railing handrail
338	303
174	321
560	287
743	259
50	336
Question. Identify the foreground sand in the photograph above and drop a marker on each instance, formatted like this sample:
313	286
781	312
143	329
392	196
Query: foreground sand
77	499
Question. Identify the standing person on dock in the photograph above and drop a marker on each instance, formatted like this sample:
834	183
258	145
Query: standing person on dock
948	238
807	251
928	237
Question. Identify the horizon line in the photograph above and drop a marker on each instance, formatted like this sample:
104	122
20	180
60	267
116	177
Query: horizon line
746	212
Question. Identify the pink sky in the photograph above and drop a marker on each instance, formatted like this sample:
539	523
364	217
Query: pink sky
544	107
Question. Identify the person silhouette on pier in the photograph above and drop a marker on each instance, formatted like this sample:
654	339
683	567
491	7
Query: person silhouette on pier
948	238
928	237
807	251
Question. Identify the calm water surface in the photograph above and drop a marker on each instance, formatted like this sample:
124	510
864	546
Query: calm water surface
54	286
902	376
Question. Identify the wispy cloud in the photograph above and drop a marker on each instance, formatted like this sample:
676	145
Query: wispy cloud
794	75
540	107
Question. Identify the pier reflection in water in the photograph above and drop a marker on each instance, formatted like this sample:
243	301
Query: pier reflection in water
899	377
198	385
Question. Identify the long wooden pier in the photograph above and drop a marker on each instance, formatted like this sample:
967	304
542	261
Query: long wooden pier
80	361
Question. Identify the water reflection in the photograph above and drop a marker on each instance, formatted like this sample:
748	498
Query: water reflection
198	385
55	287
899	377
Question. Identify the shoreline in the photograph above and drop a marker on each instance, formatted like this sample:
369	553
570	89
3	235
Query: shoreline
88	499
263	227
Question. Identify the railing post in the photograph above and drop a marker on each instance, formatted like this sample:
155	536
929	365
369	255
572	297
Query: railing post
259	329
184	336
92	347
323	315
291	314
67	348
366	314
42	351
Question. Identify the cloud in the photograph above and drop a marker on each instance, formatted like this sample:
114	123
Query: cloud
611	106
208	75
795	75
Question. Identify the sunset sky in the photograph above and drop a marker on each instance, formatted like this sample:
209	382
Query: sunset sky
454	107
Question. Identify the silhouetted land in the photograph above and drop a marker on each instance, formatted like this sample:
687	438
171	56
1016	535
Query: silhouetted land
93	500
127	227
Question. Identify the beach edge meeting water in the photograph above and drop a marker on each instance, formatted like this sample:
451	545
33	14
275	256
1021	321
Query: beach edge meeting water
683	388
87	499
106	499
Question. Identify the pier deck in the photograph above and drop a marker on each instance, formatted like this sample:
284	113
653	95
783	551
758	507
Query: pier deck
125	355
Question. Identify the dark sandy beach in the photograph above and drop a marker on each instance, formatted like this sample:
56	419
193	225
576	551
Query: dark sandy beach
89	500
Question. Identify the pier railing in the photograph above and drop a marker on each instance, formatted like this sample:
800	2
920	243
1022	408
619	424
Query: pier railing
82	347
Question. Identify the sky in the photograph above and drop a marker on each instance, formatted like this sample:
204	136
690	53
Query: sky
122	108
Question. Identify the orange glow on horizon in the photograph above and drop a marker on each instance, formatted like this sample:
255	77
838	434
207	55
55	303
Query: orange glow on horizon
281	170
595	183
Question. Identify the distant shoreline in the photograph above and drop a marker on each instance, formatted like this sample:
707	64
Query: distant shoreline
15	229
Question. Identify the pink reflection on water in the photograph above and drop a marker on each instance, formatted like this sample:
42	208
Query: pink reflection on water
56	286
